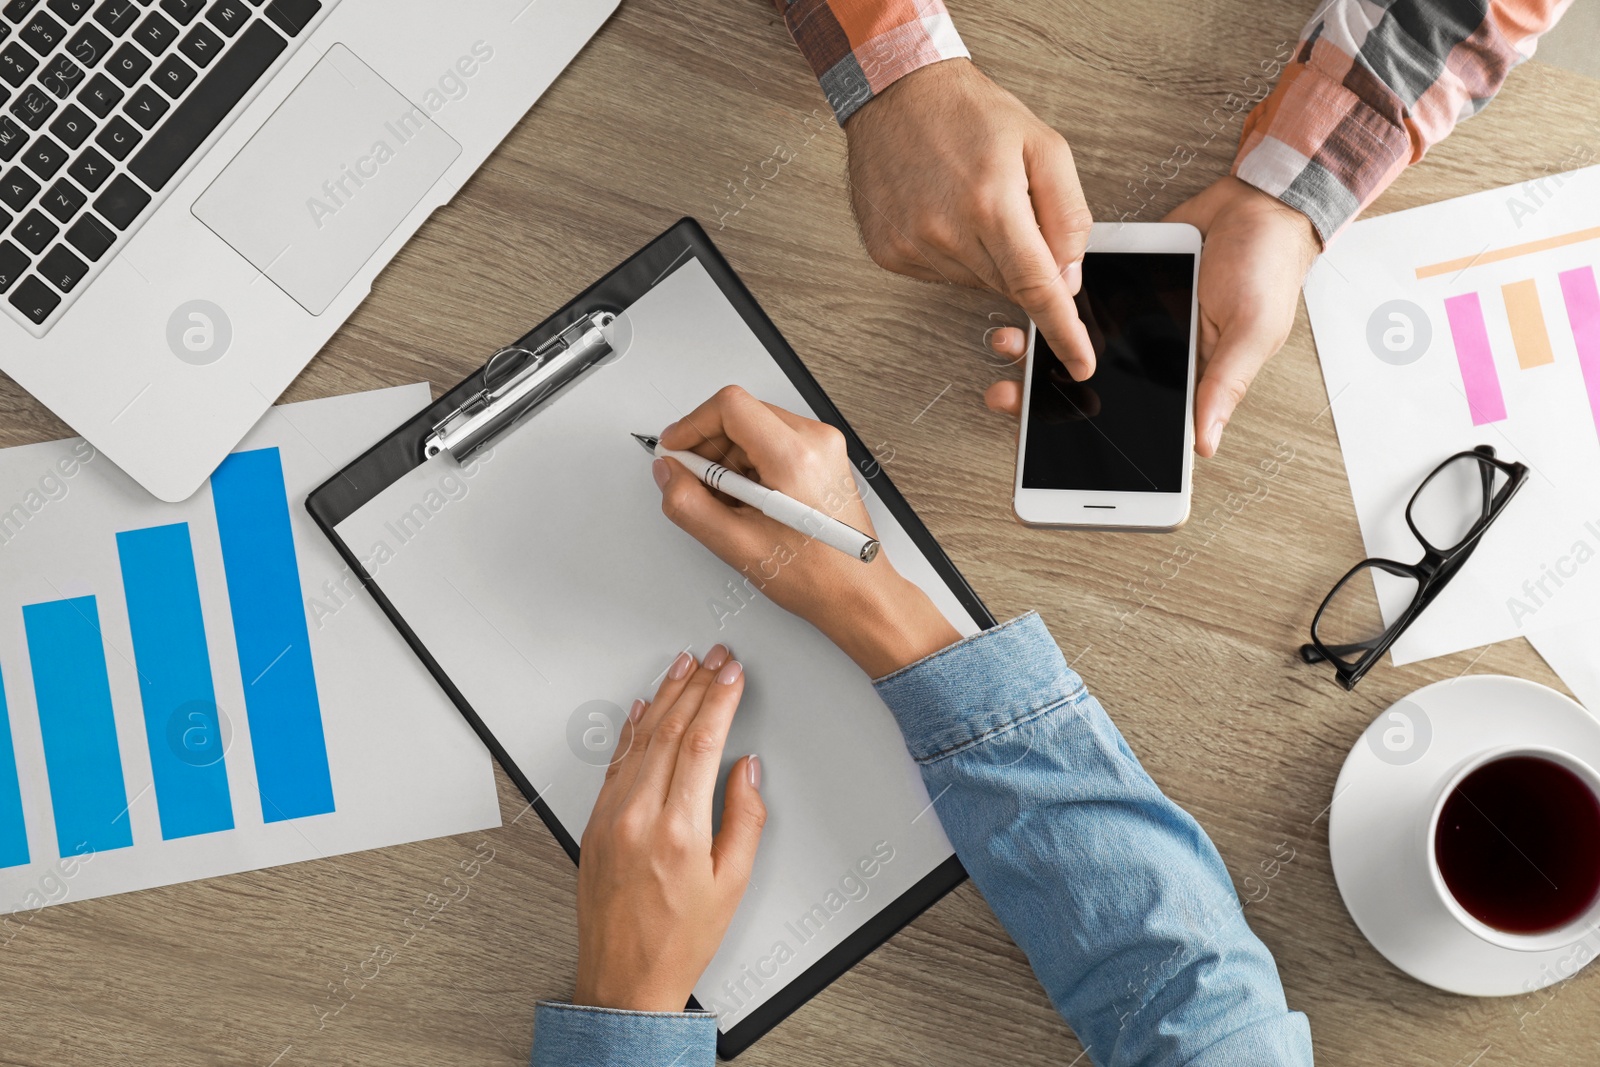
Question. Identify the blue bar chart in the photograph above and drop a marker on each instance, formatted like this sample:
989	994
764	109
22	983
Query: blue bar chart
180	709
73	695
173	657
269	626
13	827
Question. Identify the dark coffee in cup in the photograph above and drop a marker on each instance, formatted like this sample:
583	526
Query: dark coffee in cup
1518	844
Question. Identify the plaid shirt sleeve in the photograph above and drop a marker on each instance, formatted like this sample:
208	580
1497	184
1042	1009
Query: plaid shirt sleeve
1375	84
858	48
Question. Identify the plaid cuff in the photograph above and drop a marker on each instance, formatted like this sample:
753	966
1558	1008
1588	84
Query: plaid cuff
858	48
1373	86
1322	144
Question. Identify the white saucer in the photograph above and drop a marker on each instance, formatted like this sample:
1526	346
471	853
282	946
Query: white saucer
1377	827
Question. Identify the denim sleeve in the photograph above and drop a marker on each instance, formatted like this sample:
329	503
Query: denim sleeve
1119	899
567	1035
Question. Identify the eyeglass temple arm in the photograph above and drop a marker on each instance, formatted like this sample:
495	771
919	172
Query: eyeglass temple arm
1312	654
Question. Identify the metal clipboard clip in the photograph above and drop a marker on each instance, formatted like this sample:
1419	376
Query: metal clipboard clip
517	382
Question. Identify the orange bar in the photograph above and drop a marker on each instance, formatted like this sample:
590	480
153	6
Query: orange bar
1512	252
1527	324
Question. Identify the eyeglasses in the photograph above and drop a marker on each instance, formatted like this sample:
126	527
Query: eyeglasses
1448	515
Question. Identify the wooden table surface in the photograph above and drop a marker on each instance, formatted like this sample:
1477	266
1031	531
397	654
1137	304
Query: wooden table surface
686	108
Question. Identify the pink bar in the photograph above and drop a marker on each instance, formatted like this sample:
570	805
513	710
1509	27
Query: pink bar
1478	375
1583	311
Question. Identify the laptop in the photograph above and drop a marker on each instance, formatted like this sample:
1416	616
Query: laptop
195	194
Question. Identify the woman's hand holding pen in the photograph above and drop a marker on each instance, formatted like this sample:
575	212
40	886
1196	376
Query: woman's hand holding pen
878	618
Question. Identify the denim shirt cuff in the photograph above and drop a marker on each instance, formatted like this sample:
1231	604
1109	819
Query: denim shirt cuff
571	1035
987	683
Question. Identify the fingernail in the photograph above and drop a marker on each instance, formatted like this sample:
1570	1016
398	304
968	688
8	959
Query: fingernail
680	666
716	657
988	336
752	767
730	672
661	473
1214	435
1074	276
636	711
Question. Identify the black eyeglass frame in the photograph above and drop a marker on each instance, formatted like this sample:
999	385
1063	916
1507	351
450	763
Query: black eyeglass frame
1432	573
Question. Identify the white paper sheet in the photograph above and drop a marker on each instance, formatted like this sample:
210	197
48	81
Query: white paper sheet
1573	652
1413	377
548	585
402	763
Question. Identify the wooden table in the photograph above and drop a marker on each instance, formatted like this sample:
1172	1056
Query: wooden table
682	108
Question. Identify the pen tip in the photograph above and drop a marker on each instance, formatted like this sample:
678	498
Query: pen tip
646	442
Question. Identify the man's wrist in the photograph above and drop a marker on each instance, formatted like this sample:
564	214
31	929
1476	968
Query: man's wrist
934	77
1307	239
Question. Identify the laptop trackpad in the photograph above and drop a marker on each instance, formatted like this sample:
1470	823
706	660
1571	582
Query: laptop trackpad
327	179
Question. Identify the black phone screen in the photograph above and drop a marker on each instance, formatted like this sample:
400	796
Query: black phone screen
1123	429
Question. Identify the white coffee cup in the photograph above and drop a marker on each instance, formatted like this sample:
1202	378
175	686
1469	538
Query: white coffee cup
1567	934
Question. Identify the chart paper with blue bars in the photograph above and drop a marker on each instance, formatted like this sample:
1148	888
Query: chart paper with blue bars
165	679
67	658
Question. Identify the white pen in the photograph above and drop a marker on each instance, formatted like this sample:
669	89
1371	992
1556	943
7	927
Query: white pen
770	502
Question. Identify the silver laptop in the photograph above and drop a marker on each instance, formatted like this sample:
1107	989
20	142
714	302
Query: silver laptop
195	194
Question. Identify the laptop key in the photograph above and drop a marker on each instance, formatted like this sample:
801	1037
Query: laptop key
70	11
122	201
118	138
116	15
43	33
100	95
16	63
35	299
183	11
292	16
229	16
33	107
91	170
17	10
201	46
89	46
72	126
13	261
64	200
44	157
91	237
18	188
63	269
203	109
156	34
12	138
61	76
128	65
146	107
35	231
173	76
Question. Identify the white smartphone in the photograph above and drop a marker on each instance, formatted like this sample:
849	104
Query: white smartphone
1117	451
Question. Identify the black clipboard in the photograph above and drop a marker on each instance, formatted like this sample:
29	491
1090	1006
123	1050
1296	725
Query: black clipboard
403	450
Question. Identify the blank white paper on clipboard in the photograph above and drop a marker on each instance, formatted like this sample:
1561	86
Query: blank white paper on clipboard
543	578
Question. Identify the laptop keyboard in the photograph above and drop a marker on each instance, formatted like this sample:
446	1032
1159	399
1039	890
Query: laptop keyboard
102	104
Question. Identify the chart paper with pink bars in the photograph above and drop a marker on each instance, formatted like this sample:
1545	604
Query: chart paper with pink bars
1474	321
